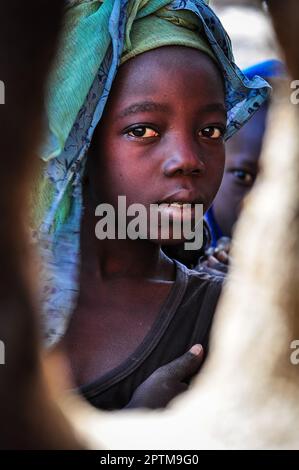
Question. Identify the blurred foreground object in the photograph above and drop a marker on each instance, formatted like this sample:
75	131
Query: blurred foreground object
28	39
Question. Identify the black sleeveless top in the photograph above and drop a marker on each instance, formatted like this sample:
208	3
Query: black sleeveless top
184	320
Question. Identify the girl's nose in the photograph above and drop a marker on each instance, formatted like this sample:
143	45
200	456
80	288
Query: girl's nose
183	160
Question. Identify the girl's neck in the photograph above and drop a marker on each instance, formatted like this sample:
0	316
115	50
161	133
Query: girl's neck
112	259
134	259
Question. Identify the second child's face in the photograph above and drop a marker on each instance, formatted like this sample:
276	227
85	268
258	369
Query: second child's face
241	169
161	136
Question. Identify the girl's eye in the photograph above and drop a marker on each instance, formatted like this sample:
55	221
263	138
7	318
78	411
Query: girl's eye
142	132
243	176
211	132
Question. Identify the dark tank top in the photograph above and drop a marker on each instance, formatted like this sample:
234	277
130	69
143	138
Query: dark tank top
185	319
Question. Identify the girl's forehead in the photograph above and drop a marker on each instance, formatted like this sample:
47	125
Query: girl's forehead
169	67
179	58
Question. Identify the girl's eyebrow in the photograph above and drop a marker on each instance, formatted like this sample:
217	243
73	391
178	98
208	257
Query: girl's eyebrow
143	106
214	107
152	106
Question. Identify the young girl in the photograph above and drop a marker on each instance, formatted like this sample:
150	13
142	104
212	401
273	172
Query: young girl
153	83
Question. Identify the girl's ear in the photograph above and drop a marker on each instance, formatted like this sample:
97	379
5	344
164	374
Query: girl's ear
92	169
88	183
94	145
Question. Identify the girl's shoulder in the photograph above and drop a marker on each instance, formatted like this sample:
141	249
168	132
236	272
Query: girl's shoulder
202	288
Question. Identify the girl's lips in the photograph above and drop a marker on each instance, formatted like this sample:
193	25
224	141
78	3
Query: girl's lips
178	204
180	211
182	197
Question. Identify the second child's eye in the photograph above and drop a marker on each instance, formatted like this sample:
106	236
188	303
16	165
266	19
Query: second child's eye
244	176
212	132
142	132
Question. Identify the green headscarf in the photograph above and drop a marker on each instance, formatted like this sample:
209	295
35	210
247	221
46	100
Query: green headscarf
164	28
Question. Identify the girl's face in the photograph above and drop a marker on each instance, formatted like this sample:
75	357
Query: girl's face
161	135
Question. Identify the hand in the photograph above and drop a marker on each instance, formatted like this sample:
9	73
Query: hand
217	263
218	259
168	381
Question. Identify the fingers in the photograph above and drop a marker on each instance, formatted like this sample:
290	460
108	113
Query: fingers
224	244
222	256
213	263
218	258
168	381
184	367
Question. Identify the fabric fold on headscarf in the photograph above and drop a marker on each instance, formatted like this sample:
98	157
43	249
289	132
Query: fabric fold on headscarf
97	37
164	28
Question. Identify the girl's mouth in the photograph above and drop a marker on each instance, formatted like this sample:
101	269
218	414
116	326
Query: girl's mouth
176	204
180	211
181	205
